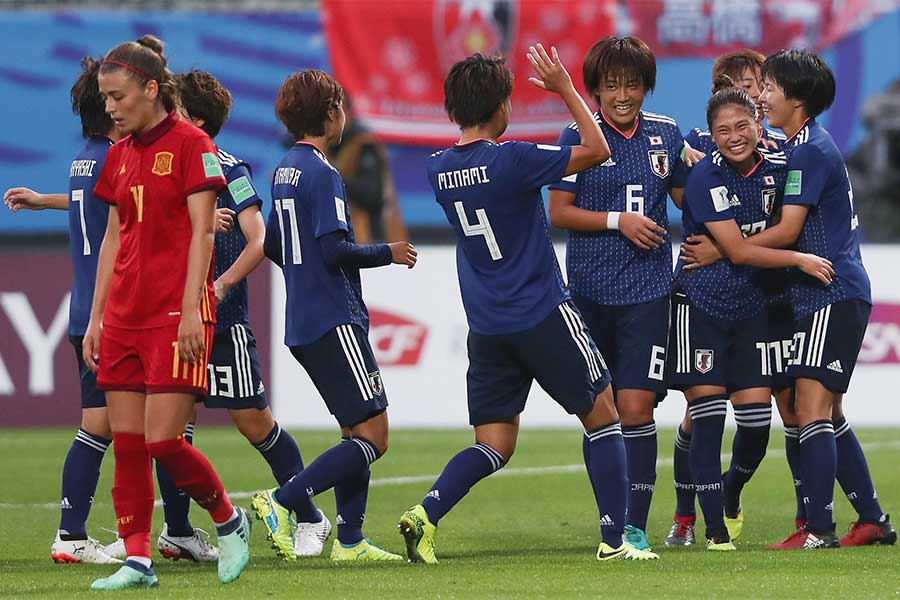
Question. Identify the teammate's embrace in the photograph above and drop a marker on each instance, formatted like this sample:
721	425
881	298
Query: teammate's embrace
522	324
310	236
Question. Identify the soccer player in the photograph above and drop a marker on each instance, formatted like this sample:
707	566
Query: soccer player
618	251
818	216
310	236
522	324
718	342
154	301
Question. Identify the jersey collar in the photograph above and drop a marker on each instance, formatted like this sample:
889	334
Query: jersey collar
808	121
759	161
627	136
148	137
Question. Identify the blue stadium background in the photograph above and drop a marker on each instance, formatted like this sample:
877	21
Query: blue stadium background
252	53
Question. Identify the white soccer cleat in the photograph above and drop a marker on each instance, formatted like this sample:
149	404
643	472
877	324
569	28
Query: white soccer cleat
309	538
117	548
195	548
80	551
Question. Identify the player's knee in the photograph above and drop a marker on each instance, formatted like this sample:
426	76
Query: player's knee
635	411
255	425
96	422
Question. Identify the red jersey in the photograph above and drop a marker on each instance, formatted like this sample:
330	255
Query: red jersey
148	178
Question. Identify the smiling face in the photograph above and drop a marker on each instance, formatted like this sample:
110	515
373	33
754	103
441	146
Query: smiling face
751	80
131	105
621	100
777	108
735	132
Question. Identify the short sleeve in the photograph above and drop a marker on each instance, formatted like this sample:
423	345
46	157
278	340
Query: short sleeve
569	183
327	202
240	192
679	169
537	165
105	188
708	197
807	175
200	166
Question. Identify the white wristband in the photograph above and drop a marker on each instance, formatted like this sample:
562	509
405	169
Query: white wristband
612	220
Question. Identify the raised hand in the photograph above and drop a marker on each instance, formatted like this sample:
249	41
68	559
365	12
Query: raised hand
552	75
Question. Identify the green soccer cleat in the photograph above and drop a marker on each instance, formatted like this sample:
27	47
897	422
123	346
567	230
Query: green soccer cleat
278	522
418	532
624	552
129	575
719	545
735	525
363	551
234	550
636	537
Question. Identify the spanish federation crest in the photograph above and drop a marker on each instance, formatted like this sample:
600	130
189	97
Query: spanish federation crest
162	164
768	201
703	360
659	162
375	382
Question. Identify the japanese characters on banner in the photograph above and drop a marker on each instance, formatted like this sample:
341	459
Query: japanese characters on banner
391	56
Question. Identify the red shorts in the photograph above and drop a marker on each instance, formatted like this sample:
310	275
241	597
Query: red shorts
147	361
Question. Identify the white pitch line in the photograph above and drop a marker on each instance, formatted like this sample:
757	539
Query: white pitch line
507	472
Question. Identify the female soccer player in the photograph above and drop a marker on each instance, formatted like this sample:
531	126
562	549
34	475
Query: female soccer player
522	324
310	236
618	252
818	216
718	344
154	301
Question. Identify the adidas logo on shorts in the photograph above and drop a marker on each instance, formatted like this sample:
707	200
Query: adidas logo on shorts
835	366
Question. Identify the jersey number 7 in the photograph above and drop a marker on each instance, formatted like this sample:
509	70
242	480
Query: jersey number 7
481	227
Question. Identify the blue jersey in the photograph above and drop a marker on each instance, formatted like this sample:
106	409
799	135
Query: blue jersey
605	266
491	193
308	202
238	195
703	141
87	225
818	179
716	192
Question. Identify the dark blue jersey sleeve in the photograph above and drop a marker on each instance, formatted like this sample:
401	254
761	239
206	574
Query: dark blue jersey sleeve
568	137
707	196
240	192
807	175
338	251
327	202
272	245
537	164
679	169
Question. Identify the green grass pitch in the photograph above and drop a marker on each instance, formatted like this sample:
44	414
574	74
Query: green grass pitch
527	531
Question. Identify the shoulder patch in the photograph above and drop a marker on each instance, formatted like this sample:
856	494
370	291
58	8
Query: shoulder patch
211	166
719	195
241	189
793	186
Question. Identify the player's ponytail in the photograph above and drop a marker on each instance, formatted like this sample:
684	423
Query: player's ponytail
729	96
722	82
144	61
87	102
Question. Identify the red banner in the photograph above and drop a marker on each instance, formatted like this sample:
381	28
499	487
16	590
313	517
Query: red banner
391	56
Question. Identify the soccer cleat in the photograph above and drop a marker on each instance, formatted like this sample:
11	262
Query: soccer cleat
309	538
793	541
418	532
812	540
80	551
130	575
682	532
720	544
278	522
195	548
234	550
735	524
636	537
363	551
624	552
866	534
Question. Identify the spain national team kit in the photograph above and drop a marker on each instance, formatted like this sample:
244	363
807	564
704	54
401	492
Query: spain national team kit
148	178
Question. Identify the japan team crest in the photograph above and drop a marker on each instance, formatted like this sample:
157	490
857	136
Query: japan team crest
703	360
768	201
659	162
375	382
162	164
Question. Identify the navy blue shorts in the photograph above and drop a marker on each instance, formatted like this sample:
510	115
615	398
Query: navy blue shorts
558	352
342	366
705	350
781	335
91	397
827	343
235	377
632	338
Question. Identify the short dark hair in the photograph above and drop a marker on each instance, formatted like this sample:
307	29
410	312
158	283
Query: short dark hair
730	95
614	57
475	88
143	60
304	100
87	101
803	76
203	97
733	64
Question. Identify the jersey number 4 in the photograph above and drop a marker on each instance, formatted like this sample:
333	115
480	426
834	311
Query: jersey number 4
481	227
286	205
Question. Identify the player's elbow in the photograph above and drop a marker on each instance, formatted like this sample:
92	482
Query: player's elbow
599	154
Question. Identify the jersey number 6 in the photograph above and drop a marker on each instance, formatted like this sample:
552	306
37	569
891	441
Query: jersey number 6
481	227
